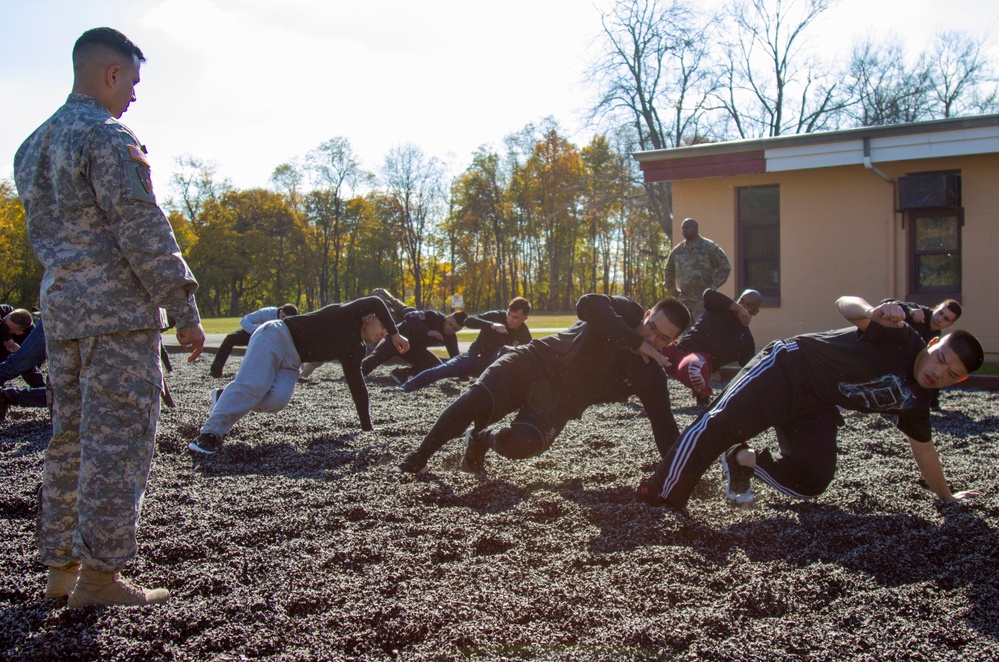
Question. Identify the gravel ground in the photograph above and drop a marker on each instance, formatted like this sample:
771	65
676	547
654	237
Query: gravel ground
299	543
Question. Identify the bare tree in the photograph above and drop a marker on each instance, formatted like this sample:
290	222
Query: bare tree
288	178
962	79
885	88
196	182
414	183
772	87
335	172
659	75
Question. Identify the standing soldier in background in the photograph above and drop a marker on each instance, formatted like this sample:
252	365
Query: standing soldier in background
693	266
94	224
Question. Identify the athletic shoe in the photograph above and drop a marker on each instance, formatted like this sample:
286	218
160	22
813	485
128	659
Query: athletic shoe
738	489
650	493
62	580
98	589
308	369
412	464
703	400
476	447
4	406
400	375
213	398
207	443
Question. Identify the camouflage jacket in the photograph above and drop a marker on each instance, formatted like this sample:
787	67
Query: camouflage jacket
107	248
694	267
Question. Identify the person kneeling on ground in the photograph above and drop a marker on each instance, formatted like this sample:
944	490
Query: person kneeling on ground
29	355
266	378
613	351
423	329
880	365
497	330
15	328
720	336
241	336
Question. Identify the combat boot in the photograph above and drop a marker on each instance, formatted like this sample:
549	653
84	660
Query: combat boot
62	580
97	588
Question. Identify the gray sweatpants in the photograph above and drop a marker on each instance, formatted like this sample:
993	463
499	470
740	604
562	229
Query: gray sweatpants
264	382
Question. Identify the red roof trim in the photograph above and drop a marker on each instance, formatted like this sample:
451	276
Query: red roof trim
698	167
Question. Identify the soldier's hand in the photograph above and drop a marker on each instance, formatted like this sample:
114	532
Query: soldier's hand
500	328
964	495
889	314
918	315
400	342
744	317
650	353
192	340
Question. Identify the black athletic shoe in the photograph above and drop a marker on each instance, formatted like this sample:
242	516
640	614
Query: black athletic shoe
412	464
4	406
738	489
703	400
650	493
207	443
400	375
476	447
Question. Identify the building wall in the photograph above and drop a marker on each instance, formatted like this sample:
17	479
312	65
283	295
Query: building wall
840	235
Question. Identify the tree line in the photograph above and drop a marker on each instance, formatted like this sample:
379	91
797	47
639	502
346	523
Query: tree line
543	217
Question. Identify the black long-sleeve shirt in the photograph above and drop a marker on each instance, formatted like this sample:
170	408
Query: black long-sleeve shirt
334	333
719	332
596	360
489	340
924	328
418	324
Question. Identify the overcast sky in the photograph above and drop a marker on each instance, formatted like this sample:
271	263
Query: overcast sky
251	84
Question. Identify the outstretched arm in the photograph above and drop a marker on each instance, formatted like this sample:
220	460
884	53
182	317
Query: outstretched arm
860	313
928	461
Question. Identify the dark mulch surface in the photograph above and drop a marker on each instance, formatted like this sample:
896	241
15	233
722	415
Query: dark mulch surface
298	543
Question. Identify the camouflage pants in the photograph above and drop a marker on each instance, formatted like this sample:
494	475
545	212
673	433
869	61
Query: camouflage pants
696	307
106	400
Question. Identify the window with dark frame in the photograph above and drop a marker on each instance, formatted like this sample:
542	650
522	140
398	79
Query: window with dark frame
934	218
759	242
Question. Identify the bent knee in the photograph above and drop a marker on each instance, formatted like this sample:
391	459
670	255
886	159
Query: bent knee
518	442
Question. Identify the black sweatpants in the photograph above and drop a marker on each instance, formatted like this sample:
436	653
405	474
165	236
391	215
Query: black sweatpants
238	338
420	358
515	381
768	393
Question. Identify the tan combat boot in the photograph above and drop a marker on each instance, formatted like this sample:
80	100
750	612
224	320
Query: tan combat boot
62	580
96	588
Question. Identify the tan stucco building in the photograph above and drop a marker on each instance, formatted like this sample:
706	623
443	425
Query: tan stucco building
908	211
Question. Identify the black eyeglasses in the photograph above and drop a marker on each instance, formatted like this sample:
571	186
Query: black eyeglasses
655	331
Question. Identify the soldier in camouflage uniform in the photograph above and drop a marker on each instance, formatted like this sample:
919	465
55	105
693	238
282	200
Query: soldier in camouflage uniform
693	266
94	224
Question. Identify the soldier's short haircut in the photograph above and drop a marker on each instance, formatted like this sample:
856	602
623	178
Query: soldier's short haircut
289	309
460	316
967	348
675	312
520	303
109	38
953	306
21	318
